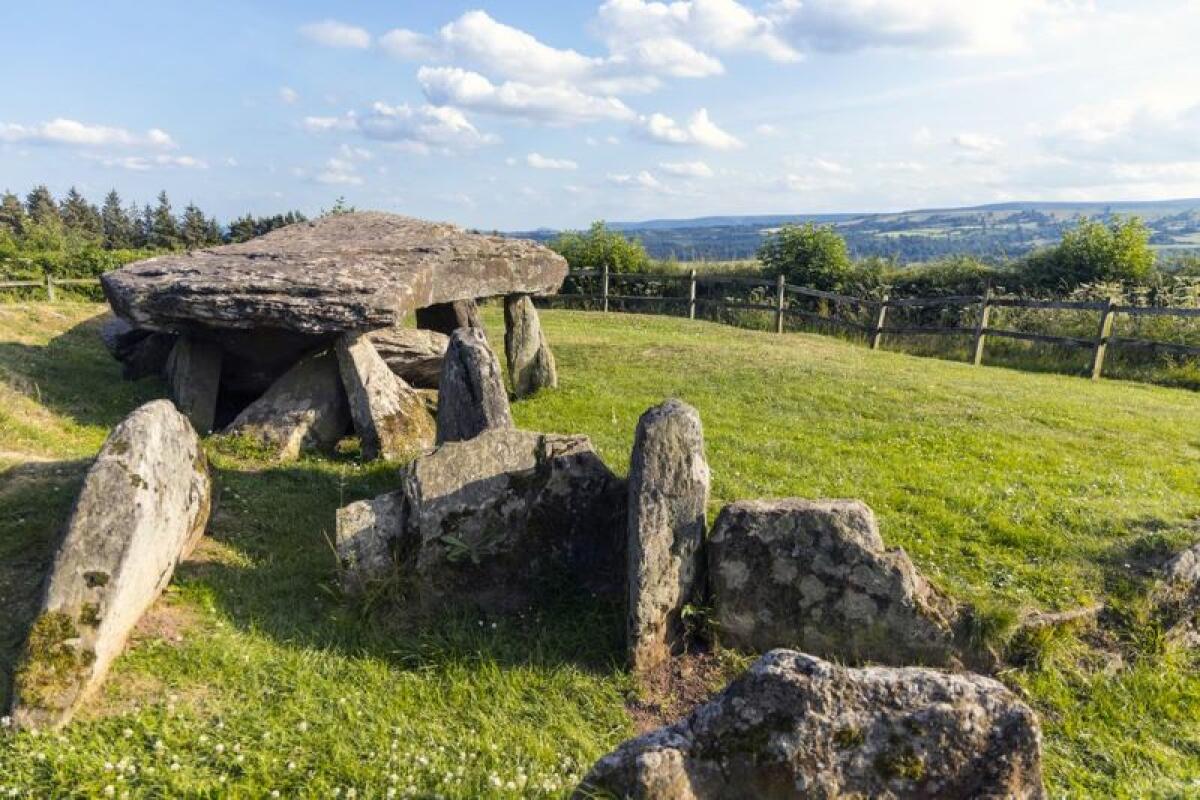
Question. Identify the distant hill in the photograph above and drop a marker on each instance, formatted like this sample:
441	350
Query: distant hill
994	232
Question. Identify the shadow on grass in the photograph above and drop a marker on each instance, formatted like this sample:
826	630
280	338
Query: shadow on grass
35	499
74	375
273	570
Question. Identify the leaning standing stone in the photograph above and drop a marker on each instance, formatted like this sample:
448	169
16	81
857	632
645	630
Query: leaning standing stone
530	362
142	508
668	492
388	414
815	575
194	378
797	727
305	409
471	396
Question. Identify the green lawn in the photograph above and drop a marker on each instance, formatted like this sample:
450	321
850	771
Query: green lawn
1012	490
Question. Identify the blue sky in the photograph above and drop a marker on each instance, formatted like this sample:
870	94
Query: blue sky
517	115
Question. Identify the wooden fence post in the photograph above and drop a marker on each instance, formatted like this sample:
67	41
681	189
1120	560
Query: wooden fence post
692	296
985	309
50	289
779	304
604	287
880	321
1102	336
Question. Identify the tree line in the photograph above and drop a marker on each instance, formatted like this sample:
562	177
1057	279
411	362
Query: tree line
39	222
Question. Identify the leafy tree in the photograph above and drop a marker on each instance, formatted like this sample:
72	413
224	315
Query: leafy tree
1093	252
40	206
80	216
599	246
241	229
116	223
808	255
164	231
12	214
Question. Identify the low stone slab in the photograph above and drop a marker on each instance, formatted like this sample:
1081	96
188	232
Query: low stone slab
797	727
531	365
367	531
143	506
471	394
816	575
415	355
306	409
389	416
668	493
492	519
194	379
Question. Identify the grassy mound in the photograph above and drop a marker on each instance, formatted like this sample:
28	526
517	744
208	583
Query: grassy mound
1016	491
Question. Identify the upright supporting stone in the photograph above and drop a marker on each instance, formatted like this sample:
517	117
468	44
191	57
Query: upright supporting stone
448	317
305	409
143	506
388	414
668	492
530	362
194	377
471	396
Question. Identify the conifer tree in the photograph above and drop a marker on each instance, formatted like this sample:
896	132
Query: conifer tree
118	226
40	206
80	216
164	230
12	214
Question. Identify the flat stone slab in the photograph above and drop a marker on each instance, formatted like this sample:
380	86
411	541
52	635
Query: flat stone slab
342	272
413	354
795	726
143	506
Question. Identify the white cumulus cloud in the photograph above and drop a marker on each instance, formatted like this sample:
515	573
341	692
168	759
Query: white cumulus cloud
977	142
641	180
555	104
288	95
538	161
687	169
699	130
332	33
72	132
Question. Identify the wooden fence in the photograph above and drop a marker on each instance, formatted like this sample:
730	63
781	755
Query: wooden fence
781	292
1106	310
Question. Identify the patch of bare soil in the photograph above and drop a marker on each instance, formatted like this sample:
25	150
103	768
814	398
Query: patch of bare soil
672	690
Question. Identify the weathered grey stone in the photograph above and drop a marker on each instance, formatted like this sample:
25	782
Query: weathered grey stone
119	336
1176	597
339	273
471	396
194	379
491	519
148	357
306	409
668	493
367	531
143	506
413	354
446	318
815	575
797	727
388	414
530	363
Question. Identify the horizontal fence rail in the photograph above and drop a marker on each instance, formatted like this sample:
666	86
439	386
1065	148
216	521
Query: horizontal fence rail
49	283
777	296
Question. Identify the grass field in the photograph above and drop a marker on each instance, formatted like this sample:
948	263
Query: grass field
1017	491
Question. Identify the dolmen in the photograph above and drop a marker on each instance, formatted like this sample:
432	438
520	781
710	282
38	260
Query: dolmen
297	336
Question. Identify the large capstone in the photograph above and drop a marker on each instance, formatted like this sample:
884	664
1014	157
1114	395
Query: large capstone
471	395
415	355
367	534
493	519
815	575
305	409
389	416
668	493
446	318
194	379
336	274
795	726
143	506
530	363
